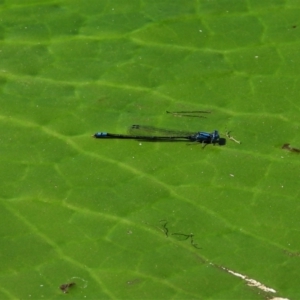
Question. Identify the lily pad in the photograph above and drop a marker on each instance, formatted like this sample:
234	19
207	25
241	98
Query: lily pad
128	219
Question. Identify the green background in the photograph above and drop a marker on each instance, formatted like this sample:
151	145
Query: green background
74	208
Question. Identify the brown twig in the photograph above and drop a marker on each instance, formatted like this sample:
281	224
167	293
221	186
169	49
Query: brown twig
289	148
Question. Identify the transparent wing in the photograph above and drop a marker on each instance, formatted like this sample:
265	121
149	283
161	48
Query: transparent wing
142	130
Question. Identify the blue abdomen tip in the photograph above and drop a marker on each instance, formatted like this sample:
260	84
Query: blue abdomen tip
100	134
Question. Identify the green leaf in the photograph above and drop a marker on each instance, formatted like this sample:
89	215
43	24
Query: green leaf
127	219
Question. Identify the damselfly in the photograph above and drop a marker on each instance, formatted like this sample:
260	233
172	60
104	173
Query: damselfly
148	133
